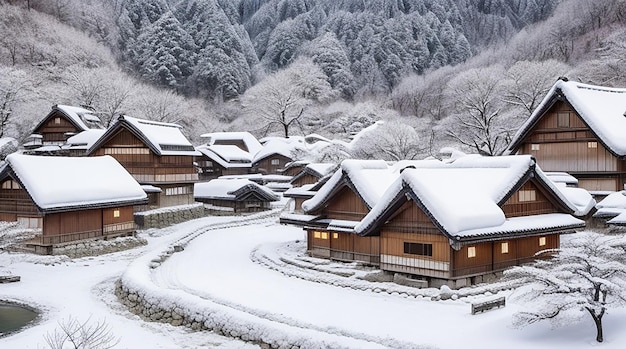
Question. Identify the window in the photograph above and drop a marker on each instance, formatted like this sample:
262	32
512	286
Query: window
126	151
418	249
534	147
542	241
504	247
57	121
178	191
116	213
335	235
527	195
10	184
320	235
592	145
471	252
275	162
563	119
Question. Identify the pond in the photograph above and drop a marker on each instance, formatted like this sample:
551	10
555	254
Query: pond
14	316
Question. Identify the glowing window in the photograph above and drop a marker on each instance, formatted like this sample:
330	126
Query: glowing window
504	247
335	235
317	234
471	252
592	145
57	121
116	213
542	241
527	195
534	147
324	236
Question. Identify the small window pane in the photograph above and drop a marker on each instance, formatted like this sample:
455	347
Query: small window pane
534	147
542	241
471	252
504	247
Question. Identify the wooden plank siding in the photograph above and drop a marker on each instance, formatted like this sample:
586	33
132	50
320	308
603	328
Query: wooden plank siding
305	179
560	141
265	166
343	246
346	205
55	129
514	207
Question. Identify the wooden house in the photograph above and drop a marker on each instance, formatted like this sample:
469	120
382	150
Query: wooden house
68	199
339	205
275	154
476	216
243	140
234	195
62	122
222	160
579	129
312	173
156	154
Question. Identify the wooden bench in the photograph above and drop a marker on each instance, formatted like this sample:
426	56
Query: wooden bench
487	305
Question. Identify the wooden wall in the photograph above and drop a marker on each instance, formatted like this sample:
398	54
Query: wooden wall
265	166
346	205
343	246
53	132
513	207
15	202
305	179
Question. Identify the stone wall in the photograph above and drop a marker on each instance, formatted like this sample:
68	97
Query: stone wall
161	218
97	247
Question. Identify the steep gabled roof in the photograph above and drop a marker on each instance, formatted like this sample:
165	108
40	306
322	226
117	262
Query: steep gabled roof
161	137
71	183
464	198
83	140
278	146
227	156
83	119
367	178
232	190
602	109
247	138
317	170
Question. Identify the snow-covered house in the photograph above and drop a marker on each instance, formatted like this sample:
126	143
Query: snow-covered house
312	173
226	154
579	129
78	144
339	205
68	198
275	154
243	140
477	215
156	154
62	122
234	195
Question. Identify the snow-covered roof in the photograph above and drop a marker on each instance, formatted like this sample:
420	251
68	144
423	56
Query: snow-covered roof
84	139
317	170
611	206
162	137
281	146
66	183
231	189
601	108
302	191
83	119
369	178
247	138
465	196
228	156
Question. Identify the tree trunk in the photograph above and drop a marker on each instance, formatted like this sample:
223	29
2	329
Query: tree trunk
597	319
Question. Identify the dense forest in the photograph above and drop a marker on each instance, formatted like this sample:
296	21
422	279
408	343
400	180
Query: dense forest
463	73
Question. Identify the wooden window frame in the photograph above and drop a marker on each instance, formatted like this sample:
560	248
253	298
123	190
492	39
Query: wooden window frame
535	147
116	213
592	145
275	162
528	195
542	241
504	247
563	119
471	252
418	248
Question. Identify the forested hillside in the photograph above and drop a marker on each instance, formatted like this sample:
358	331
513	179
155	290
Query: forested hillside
331	67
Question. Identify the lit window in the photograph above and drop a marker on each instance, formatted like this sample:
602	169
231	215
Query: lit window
10	184
116	213
504	247
471	252
592	145
527	195
57	121
317	234
534	147
335	235
542	241
324	236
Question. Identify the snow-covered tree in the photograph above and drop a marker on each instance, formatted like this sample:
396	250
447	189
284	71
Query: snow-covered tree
284	99
16	86
587	275
392	141
327	52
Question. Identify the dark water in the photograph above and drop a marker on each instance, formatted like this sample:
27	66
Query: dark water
13	317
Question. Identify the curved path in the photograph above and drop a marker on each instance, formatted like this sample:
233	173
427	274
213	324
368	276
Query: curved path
216	266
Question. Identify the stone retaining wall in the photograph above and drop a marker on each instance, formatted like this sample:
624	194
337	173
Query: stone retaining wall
97	247
161	218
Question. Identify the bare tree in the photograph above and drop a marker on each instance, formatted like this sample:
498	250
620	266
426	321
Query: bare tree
81	335
283	99
15	87
587	274
391	140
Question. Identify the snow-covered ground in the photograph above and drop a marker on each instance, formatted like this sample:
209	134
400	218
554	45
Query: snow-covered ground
239	268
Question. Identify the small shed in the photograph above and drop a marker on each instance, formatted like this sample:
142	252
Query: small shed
68	198
64	121
234	195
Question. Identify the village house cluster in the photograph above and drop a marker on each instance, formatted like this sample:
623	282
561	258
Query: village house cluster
454	221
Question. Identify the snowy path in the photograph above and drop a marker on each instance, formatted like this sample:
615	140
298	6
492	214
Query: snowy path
217	266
